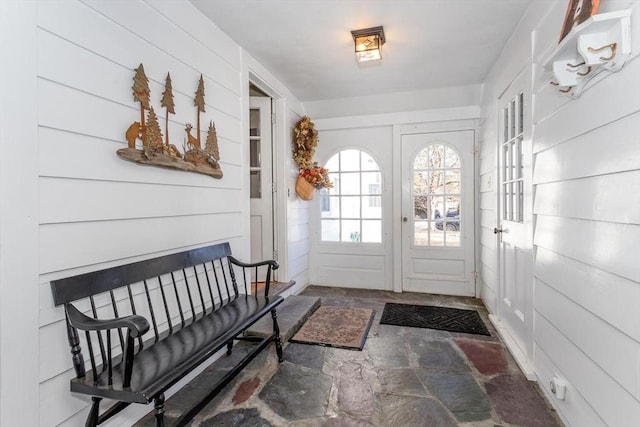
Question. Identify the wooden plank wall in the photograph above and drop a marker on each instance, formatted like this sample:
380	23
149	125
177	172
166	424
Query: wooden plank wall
587	276
586	181
96	210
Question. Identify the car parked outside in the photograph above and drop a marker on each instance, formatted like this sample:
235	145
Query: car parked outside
451	221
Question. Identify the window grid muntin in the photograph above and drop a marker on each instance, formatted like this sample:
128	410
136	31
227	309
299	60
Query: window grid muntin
511	170
424	165
337	217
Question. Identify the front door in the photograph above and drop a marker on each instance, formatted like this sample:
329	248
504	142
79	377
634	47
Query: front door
438	213
515	247
261	179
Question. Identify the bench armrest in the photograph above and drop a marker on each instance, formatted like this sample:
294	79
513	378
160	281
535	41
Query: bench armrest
273	263
136	324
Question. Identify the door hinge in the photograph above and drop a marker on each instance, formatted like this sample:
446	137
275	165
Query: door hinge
273	118
476	275
275	254
274	188
476	149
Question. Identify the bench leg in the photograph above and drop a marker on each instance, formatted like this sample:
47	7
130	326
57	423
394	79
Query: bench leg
229	347
94	413
276	333
158	405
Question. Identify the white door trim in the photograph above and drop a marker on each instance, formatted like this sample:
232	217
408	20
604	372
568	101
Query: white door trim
396	220
280	152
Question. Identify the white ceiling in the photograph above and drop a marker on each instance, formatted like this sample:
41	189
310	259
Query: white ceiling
307	44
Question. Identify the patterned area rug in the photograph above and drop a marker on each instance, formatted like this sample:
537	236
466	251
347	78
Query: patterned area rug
431	317
336	327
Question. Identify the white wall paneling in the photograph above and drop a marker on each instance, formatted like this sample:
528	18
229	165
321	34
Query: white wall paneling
19	346
96	210
586	180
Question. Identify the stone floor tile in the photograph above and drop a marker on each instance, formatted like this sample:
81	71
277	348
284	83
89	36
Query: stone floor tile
237	418
487	358
460	393
388	351
295	392
516	401
355	390
310	356
402	382
437	355
397	411
245	390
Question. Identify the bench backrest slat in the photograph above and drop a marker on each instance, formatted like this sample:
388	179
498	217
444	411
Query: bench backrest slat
84	285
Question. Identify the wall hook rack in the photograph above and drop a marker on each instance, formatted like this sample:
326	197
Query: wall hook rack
602	42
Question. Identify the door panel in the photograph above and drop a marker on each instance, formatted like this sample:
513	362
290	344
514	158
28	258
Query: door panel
438	213
260	182
515	247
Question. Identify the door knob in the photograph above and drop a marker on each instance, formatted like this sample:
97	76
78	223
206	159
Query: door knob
497	230
405	219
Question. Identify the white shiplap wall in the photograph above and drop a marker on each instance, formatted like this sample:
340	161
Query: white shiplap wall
586	182
96	210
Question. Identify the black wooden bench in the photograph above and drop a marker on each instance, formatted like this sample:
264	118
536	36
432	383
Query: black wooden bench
146	325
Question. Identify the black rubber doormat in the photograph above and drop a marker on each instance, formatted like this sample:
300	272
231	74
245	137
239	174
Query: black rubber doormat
432	317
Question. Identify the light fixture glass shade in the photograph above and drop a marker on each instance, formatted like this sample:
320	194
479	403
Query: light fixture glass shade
368	48
368	43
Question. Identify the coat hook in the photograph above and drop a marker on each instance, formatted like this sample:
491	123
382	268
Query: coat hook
566	90
585	73
575	65
554	83
612	46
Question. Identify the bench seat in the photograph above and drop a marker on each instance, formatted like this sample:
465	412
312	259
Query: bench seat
167	361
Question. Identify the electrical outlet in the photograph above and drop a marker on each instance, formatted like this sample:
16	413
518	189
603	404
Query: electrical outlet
558	387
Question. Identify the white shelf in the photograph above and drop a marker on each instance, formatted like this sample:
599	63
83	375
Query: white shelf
602	42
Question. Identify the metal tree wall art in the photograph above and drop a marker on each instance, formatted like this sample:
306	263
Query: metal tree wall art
212	142
141	93
155	151
167	102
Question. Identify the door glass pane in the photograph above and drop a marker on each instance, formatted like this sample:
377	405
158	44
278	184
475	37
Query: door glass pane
368	164
452	182
372	231
350	183
256	185
254	156
370	182
330	230
355	201
350	207
350	230
451	158
330	207
371	207
254	122
255	178
437	197
350	160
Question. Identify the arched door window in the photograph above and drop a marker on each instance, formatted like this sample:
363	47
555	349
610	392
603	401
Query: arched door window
351	211
437	196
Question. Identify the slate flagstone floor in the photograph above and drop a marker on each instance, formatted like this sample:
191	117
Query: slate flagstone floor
403	377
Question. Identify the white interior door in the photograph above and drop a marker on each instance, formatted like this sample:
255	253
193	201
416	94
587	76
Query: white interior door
438	213
515	217
261	179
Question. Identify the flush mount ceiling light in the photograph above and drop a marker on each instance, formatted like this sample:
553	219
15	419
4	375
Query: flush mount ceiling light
368	43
